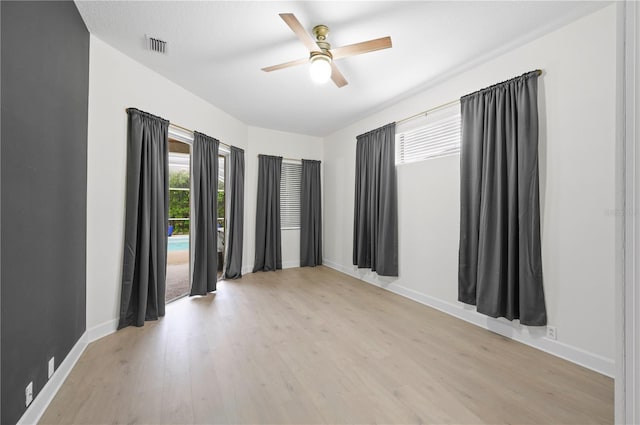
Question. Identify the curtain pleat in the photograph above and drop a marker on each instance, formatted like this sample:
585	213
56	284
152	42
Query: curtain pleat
310	214
375	224
268	255
500	264
235	226
146	216
204	226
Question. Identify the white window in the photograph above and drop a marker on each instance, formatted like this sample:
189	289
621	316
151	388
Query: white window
290	182
433	135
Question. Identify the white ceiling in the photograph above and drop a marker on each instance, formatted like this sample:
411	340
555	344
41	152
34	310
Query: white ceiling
217	48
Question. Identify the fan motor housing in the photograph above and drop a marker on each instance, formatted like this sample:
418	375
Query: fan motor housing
321	32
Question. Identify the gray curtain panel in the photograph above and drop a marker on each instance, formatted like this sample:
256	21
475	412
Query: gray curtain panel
204	223
147	209
235	223
375	222
268	245
310	214
500	266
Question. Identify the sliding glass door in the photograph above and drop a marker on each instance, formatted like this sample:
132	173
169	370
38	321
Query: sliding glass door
178	244
221	212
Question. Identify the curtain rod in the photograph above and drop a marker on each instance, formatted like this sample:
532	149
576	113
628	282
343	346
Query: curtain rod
283	158
191	131
188	131
444	105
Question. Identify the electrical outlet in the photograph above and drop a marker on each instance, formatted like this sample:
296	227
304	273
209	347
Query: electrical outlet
28	393
52	367
552	333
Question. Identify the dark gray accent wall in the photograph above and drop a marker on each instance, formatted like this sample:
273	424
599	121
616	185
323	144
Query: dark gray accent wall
45	85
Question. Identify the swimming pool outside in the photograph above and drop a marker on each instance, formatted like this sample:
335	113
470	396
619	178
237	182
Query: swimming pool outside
178	243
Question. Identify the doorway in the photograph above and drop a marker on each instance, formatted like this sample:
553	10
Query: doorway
178	241
221	213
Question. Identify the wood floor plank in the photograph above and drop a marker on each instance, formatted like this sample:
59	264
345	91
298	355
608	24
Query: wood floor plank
314	346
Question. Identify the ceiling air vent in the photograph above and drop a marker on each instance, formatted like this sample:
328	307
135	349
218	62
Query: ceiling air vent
157	45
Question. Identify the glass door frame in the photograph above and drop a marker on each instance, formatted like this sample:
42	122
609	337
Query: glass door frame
185	136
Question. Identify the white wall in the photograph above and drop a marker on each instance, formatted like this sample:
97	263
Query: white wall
278	143
117	82
633	392
627	390
633	306
577	95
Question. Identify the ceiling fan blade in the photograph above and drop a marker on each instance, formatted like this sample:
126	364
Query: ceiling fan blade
286	65
360	48
298	29
337	76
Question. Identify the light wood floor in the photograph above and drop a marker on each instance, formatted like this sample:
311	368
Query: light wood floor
316	346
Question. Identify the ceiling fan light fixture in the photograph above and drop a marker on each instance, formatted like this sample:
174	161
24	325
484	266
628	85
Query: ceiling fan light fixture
320	68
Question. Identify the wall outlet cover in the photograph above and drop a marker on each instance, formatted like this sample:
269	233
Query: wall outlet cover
552	332
52	366
28	393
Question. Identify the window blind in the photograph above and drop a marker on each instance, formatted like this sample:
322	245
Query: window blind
290	181
437	138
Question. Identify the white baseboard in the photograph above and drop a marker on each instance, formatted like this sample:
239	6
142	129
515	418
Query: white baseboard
531	336
40	403
107	328
290	264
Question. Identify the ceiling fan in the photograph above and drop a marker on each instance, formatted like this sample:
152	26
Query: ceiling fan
321	56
